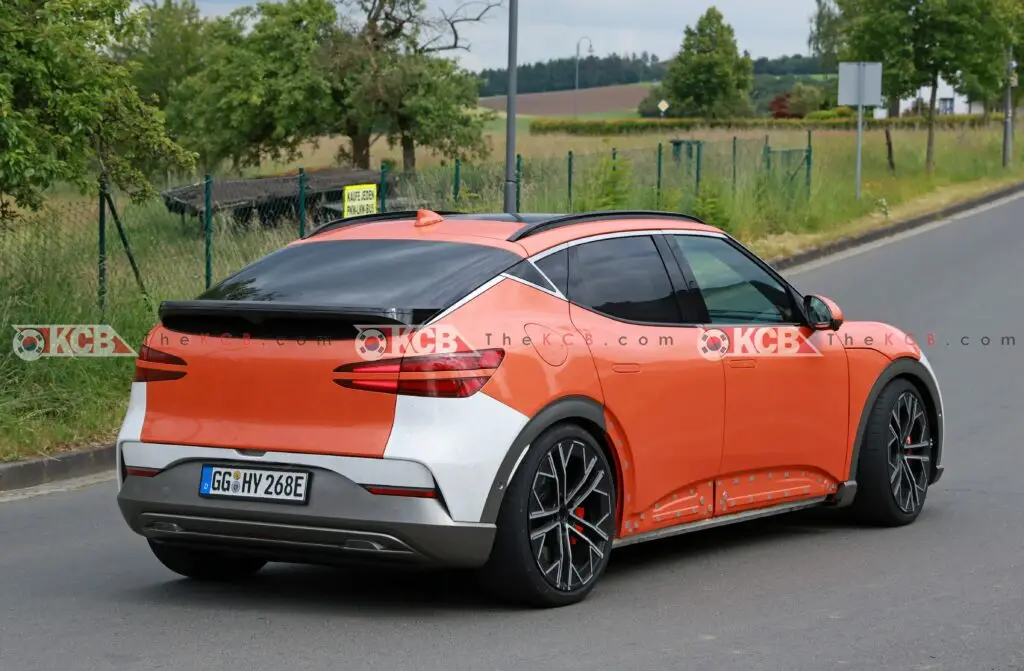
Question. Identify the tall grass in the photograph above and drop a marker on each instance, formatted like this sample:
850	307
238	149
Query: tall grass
48	260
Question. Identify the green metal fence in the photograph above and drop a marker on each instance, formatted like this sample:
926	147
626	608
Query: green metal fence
83	259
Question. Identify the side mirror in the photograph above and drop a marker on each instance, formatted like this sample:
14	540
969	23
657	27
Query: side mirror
822	313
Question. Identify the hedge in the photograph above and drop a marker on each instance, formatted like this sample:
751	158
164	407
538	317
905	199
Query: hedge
573	126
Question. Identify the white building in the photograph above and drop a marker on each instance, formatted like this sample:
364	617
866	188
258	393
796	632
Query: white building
948	101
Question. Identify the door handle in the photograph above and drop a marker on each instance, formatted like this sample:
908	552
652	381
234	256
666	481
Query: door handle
626	367
742	363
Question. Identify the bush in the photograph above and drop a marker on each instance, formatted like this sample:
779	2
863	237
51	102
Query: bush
841	121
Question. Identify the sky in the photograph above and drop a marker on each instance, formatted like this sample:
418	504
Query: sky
551	28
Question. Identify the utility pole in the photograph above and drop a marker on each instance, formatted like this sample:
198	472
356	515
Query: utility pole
510	108
1011	69
577	89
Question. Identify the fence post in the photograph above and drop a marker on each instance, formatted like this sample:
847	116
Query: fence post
457	186
569	168
302	202
208	227
661	155
700	163
383	190
614	154
103	249
810	156
734	141
519	180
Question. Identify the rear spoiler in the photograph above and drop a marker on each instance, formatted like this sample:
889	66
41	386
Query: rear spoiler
265	319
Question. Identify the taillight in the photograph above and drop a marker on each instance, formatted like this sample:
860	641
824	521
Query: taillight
149	367
455	375
141	472
410	492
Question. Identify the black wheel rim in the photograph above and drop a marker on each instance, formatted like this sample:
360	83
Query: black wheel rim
571	515
910	452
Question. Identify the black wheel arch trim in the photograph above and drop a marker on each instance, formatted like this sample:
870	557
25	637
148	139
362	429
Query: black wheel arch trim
565	408
916	371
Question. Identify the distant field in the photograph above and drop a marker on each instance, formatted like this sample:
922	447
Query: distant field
590	102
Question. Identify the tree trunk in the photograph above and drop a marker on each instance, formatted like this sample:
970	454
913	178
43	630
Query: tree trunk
894	107
929	160
360	150
408	153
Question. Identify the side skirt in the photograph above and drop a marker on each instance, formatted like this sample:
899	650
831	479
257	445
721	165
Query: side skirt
722	521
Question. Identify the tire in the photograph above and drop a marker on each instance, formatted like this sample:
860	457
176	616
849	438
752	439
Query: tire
534	570
206	565
884	496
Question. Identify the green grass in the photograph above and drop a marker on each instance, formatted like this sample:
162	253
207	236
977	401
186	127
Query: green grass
48	260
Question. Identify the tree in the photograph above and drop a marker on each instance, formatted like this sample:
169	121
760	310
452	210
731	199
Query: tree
920	42
382	60
709	78
259	92
805	99
433	103
559	74
68	111
824	40
165	45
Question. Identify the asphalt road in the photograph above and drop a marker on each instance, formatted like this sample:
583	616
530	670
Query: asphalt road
79	591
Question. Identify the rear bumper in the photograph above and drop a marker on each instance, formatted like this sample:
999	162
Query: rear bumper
342	522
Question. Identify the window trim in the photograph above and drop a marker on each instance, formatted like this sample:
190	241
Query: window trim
796	299
653	235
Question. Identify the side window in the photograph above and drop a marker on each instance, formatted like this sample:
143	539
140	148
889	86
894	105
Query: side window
623	278
556	267
735	289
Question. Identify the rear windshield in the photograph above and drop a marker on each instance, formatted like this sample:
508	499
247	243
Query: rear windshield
385	274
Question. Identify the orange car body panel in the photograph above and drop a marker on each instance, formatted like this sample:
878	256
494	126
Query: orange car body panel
673	431
787	411
264	395
536	371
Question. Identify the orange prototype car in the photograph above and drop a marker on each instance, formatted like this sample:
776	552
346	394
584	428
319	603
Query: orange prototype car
518	394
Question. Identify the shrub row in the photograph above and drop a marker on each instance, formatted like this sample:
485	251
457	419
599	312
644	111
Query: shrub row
572	126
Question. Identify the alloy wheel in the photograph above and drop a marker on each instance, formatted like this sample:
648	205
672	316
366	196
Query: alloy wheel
910	452
571	514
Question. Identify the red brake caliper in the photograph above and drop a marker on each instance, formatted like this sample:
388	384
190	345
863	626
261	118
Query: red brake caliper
579	513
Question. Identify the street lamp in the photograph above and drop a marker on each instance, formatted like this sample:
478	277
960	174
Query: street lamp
577	89
510	108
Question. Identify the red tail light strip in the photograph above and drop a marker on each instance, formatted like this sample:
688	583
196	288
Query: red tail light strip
410	492
141	472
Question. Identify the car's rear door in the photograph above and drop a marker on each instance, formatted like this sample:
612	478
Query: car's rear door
664	401
786	386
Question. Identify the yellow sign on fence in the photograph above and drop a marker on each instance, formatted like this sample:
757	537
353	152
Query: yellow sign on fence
360	199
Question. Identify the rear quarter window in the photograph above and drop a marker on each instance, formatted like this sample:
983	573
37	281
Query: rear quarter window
367	273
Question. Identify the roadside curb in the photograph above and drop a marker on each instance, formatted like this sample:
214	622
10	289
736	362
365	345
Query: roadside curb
33	472
845	244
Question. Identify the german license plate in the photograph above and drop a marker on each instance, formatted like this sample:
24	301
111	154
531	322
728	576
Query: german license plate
254	484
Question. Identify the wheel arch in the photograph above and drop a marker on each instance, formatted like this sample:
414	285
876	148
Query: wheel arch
584	411
919	374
